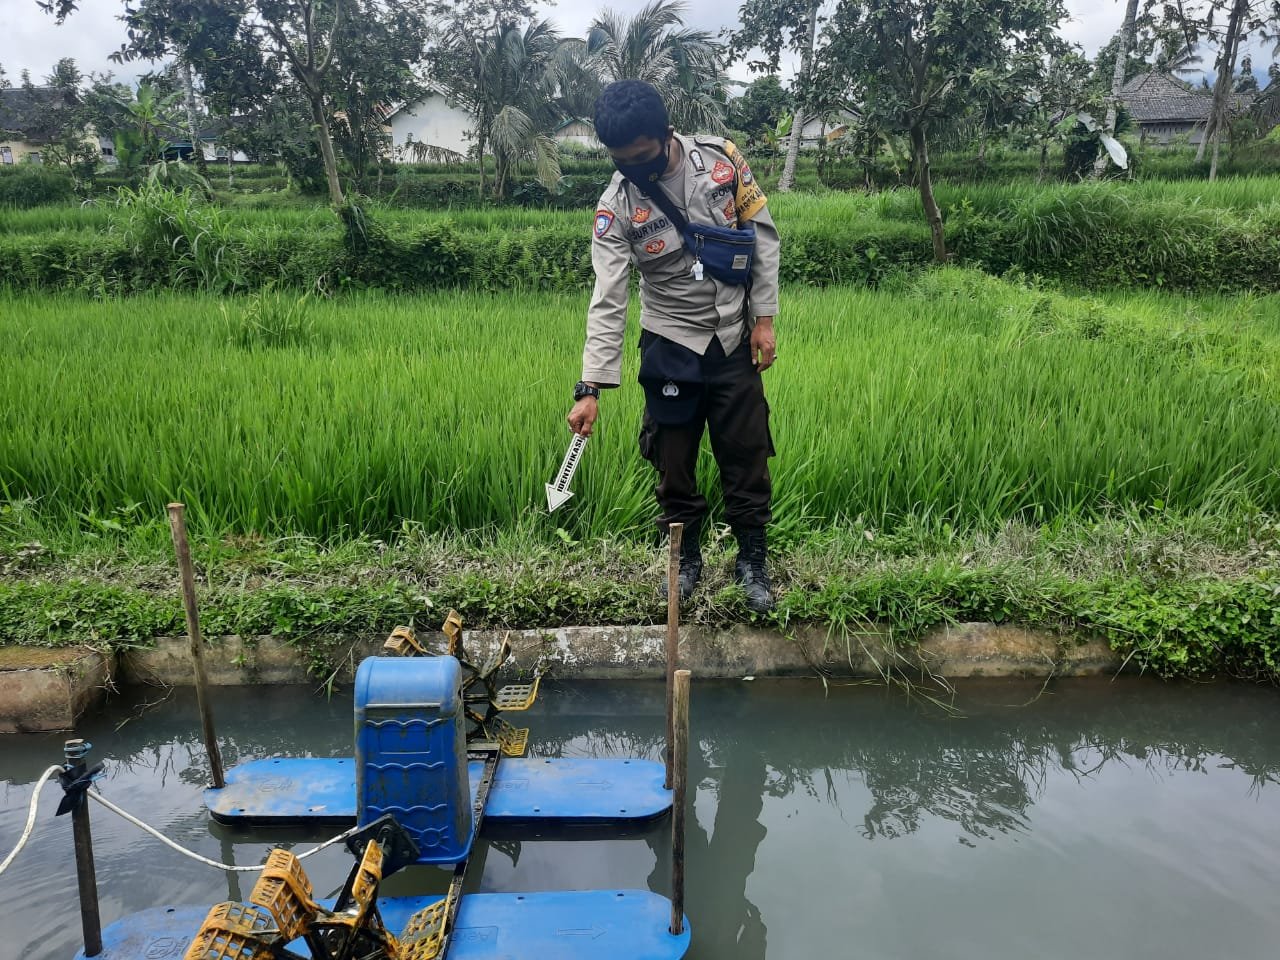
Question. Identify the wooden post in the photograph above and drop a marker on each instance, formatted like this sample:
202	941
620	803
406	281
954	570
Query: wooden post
75	752
178	527
676	535
681	776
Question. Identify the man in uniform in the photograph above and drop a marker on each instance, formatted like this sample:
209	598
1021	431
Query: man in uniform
704	342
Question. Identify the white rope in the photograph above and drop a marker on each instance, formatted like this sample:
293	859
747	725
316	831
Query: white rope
195	856
31	817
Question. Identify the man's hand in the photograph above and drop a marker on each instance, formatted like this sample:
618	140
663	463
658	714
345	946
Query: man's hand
583	416
764	345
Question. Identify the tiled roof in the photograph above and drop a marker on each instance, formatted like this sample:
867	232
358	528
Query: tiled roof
1156	97
17	104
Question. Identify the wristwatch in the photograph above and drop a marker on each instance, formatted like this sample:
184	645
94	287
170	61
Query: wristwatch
583	389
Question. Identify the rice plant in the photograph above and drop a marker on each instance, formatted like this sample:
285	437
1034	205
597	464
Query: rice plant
953	396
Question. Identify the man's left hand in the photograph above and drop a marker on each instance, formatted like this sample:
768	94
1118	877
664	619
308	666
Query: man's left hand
764	345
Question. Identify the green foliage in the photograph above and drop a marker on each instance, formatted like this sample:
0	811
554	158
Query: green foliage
1196	628
1189	629
28	186
271	318
177	237
1196	237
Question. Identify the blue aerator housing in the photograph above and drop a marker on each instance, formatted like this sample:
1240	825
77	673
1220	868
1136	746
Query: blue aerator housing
411	752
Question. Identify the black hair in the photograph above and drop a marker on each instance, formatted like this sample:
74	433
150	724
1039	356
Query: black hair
628	109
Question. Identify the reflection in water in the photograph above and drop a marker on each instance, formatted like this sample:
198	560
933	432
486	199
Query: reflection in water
805	806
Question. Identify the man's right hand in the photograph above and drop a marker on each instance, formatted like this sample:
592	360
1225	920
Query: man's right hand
583	416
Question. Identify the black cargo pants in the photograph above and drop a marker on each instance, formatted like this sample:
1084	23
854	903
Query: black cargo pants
734	411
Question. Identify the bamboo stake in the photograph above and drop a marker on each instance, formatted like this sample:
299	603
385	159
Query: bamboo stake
178	527
674	538
681	771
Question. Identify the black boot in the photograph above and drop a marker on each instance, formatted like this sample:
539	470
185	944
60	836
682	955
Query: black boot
750	569
690	563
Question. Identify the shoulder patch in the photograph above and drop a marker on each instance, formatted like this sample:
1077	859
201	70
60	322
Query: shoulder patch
604	220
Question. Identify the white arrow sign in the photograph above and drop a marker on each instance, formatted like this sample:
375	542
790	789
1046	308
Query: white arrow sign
558	492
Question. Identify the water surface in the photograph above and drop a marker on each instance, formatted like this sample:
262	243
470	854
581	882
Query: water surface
1123	819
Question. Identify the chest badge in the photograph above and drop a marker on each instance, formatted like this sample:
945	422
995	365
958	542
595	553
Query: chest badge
669	389
655	246
641	215
722	172
730	211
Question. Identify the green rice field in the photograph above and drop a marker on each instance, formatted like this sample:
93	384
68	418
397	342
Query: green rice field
949	395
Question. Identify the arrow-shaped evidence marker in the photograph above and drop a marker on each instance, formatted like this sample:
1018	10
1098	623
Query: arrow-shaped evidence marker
558	492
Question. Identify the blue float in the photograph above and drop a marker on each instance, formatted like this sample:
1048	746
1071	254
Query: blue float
569	925
290	791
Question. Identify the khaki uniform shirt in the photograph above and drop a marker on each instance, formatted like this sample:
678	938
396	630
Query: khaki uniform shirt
712	185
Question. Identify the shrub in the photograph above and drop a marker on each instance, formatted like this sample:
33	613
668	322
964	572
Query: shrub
30	186
271	318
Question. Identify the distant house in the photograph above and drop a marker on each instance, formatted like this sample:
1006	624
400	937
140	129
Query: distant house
579	131
824	130
1163	108
178	146
21	110
433	121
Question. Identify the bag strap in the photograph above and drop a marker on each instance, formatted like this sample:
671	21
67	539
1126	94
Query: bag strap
668	206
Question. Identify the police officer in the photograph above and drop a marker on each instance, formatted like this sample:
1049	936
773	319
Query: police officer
704	340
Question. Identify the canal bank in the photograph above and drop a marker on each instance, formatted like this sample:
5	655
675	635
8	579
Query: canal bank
43	689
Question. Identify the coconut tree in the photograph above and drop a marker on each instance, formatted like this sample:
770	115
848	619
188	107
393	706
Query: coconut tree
655	46
509	78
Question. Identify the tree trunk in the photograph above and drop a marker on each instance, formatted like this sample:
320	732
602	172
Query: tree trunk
327	155
788	178
1044	161
1117	81
189	104
1222	86
801	116
920	156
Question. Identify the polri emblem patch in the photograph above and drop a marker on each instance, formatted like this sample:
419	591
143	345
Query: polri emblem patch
604	220
669	389
655	246
641	215
722	172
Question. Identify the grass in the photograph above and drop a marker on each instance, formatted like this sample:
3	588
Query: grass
804	210
1183	595
952	397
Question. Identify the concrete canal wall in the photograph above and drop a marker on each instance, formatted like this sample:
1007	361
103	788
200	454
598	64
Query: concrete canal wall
49	689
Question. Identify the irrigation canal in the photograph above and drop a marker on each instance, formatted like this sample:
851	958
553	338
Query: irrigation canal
1096	818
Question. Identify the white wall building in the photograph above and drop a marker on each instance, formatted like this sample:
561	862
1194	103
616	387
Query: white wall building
432	120
578	131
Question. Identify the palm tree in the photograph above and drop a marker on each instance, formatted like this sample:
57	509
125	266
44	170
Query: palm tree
511	83
654	45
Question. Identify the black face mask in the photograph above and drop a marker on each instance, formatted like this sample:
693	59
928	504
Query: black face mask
643	174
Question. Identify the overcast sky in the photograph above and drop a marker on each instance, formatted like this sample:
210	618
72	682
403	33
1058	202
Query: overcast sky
30	39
